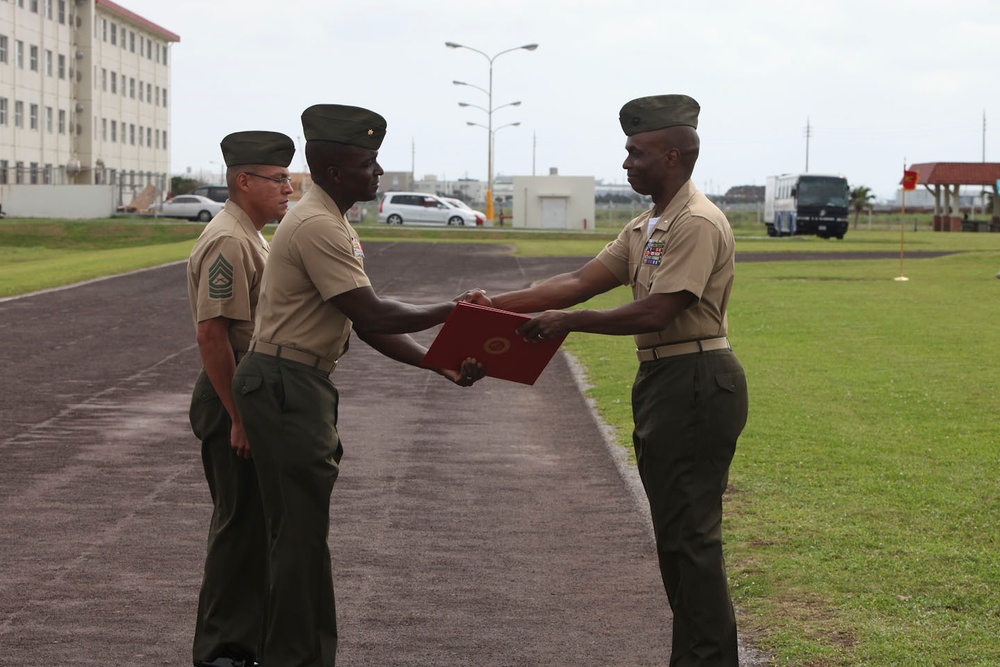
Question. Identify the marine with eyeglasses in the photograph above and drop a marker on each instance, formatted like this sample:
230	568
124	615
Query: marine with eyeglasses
224	278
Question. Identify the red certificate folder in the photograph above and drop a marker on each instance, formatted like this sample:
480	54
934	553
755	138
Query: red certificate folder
488	335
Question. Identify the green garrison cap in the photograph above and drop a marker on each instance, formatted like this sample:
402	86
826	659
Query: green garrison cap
646	114
344	124
257	147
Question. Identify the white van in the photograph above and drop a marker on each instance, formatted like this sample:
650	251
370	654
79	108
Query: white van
422	208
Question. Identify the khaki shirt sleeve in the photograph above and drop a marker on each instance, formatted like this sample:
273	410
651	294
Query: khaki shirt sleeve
332	257
615	257
224	282
688	259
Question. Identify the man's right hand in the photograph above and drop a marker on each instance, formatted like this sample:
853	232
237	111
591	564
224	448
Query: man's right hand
238	441
476	296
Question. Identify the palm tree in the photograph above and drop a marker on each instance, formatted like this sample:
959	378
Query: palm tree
861	198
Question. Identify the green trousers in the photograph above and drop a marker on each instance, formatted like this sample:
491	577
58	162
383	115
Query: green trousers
289	412
689	411
231	601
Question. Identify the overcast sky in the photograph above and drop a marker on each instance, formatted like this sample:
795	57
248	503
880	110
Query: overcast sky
878	81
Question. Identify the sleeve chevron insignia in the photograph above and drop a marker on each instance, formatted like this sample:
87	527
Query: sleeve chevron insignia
220	279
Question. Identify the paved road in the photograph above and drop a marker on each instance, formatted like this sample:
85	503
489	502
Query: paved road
486	526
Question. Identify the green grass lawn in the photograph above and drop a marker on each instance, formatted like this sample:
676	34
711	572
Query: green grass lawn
862	519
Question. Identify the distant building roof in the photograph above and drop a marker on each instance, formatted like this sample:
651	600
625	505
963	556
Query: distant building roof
957	173
138	20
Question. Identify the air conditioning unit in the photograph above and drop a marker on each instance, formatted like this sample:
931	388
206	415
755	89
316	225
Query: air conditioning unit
79	107
79	54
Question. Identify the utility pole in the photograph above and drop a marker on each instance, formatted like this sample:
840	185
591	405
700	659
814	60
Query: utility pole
808	134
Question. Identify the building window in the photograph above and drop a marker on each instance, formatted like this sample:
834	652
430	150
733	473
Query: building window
157	52
3	110
149	92
131	88
33	58
3	48
104	129
34	173
157	96
48	119
33	8
48	62
33	117
157	133
131	133
62	121
47	175
149	136
149	49
19	53
19	172
3	172
114	34
114	130
131	40
18	114
114	82
164	97
48	9
62	66
124	91
104	29
164	138
104	79
62	12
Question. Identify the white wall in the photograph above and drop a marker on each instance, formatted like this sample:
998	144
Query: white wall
57	201
538	198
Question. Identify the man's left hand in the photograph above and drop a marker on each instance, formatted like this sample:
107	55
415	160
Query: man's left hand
550	324
470	372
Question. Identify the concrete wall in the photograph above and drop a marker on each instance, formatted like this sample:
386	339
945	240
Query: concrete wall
554	202
57	201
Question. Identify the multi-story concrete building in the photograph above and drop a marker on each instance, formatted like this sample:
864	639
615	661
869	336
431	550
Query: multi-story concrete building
84	96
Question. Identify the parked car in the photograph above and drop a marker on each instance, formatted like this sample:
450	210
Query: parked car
458	203
421	208
213	192
191	207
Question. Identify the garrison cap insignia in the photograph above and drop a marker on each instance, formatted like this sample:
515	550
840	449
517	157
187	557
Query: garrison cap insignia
220	279
343	124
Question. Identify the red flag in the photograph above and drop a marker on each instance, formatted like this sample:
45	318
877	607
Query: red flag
909	180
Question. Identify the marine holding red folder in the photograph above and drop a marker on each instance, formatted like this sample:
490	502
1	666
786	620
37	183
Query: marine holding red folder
689	398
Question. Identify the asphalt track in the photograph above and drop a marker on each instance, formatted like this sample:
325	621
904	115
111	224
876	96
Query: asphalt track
487	526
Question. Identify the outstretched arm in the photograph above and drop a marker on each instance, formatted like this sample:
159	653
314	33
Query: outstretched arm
562	291
371	314
402	348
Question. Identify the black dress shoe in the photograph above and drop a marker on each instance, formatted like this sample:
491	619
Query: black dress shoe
228	662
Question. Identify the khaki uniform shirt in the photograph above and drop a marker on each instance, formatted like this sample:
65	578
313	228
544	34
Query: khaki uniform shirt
691	250
315	255
224	273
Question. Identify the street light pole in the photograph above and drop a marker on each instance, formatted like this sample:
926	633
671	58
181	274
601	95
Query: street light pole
489	113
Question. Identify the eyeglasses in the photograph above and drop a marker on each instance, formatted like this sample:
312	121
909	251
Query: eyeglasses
285	180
